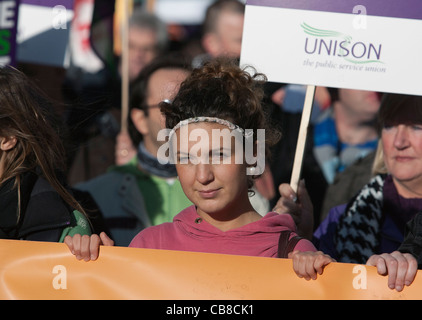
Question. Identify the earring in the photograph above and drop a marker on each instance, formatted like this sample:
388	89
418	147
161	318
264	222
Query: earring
250	171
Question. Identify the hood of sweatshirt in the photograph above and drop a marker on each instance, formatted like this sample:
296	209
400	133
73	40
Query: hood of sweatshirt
189	232
190	221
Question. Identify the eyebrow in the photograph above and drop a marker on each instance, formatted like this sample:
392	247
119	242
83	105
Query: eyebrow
178	153
212	150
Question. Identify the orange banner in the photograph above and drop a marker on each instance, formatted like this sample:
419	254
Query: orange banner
38	270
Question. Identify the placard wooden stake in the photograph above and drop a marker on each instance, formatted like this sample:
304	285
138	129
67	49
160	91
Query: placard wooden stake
125	65
301	140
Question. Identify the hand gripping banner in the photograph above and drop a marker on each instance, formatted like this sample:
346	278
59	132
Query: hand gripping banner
39	270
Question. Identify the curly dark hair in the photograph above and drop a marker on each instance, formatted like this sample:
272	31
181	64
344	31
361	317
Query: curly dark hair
139	87
221	89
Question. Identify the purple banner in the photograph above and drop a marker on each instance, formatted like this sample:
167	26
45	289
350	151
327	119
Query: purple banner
407	9
68	4
8	29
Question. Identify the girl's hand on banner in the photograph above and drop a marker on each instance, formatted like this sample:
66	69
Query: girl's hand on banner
309	264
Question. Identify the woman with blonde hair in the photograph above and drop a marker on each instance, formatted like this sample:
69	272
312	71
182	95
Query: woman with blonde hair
374	221
370	228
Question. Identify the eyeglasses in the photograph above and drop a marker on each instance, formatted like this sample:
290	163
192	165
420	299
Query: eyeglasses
157	105
152	106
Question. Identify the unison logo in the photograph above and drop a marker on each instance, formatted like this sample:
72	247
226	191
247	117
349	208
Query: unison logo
333	43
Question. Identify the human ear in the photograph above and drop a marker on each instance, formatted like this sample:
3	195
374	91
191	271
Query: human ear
211	44
139	120
8	143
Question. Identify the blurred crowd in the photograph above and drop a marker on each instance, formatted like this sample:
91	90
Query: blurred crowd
359	189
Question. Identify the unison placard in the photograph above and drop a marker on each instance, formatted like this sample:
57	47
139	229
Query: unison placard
370	46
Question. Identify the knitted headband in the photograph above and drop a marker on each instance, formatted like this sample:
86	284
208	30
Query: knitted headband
224	122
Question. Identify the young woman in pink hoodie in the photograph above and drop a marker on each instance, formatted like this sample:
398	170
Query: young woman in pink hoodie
217	142
218	137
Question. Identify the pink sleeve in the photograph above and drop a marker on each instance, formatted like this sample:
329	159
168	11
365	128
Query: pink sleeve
138	241
305	245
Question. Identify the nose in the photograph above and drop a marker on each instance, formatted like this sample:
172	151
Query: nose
401	140
204	173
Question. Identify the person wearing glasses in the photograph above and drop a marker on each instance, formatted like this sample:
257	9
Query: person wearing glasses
143	192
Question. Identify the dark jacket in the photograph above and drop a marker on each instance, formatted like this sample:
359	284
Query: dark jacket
283	155
44	215
412	242
347	184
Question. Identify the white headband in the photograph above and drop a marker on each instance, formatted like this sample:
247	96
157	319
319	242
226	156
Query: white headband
259	159
223	122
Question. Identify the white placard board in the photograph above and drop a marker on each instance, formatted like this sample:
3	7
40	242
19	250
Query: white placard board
371	46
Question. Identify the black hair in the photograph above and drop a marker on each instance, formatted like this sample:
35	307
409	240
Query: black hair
139	87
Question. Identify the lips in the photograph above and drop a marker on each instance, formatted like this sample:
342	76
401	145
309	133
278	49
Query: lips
209	194
402	158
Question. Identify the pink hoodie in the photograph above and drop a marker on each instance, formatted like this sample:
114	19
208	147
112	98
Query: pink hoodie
189	232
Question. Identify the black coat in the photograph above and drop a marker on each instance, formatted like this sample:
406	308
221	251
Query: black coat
283	154
44	215
412	242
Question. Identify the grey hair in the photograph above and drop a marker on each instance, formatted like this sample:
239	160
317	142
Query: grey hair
144	20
